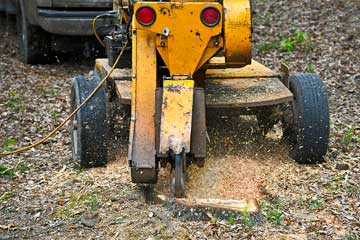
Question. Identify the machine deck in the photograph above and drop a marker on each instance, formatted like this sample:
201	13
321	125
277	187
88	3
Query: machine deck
251	86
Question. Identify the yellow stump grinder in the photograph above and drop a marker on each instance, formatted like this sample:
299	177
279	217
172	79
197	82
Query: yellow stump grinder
178	59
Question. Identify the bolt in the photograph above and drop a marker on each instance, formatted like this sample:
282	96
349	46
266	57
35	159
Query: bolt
162	44
216	43
166	31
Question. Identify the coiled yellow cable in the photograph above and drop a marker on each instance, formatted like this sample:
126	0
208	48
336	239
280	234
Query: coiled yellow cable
44	139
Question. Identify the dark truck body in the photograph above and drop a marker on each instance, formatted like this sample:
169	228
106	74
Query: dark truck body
65	17
8	6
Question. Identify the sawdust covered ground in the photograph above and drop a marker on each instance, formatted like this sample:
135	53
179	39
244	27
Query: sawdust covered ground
44	195
238	160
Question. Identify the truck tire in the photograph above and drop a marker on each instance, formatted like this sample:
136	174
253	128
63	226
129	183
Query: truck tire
307	131
90	126
34	43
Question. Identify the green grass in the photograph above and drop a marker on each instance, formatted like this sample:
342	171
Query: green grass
247	219
350	237
54	114
65	214
8	144
6	196
52	91
272	211
87	199
15	101
288	44
310	68
78	202
11	171
315	203
10	103
79	171
350	136
244	218
6	171
232	219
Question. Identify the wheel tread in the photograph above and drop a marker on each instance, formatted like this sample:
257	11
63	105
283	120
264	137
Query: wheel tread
311	118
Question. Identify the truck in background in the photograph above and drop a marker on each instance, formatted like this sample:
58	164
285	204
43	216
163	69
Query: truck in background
41	22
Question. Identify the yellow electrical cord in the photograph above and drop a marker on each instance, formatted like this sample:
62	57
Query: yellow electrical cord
41	141
95	32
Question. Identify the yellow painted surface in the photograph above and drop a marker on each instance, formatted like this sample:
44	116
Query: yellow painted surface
254	70
142	132
237	32
210	51
99	66
182	37
176	116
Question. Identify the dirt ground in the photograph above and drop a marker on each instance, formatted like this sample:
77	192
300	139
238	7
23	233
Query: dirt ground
43	195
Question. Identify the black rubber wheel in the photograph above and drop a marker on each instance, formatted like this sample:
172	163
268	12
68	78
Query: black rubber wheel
180	168
90	127
34	42
307	127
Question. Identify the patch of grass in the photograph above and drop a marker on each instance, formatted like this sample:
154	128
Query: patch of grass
52	91
79	171
77	203
247	219
350	237
310	68
274	216
22	168
339	184
6	196
6	171
268	46
315	203
350	136
15	101
54	114
301	37
232	219
11	102
272	211
65	214
88	200
8	144
11	171
288	44
352	189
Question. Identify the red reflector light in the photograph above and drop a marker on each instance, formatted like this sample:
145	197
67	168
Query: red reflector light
145	16
210	16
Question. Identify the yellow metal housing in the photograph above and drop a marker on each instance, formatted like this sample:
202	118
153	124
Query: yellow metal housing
183	41
237	32
142	127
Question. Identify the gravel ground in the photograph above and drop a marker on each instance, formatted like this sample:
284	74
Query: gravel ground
44	196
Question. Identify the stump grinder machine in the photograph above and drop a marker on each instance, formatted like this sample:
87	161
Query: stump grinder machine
171	61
